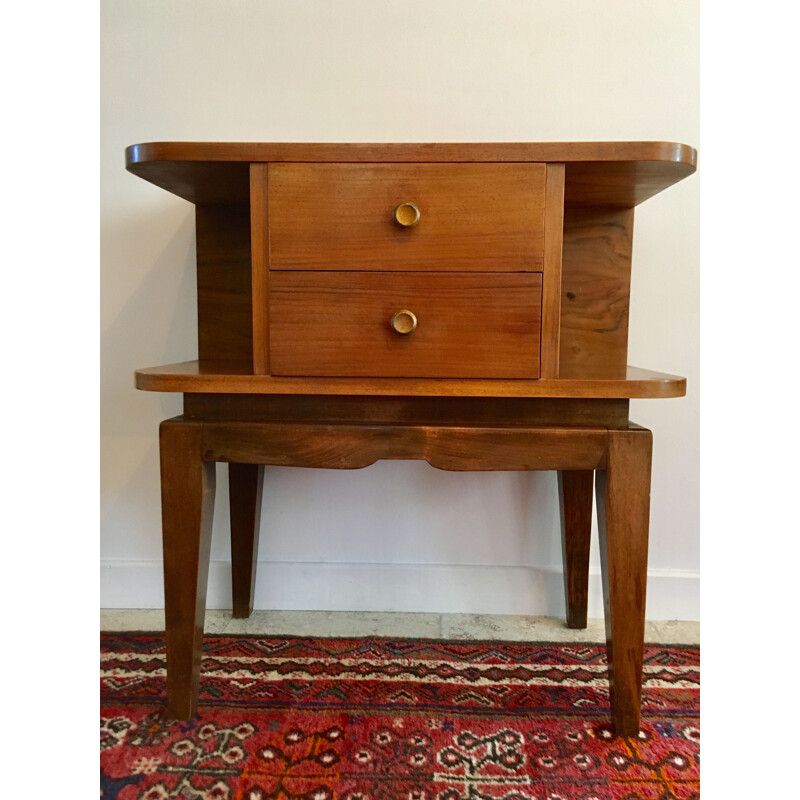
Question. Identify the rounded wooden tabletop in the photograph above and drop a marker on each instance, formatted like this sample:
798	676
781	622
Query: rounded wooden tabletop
618	174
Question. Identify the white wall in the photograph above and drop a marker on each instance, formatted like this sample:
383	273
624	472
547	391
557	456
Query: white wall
398	535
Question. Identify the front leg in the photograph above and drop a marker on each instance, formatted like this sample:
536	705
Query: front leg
187	508
623	510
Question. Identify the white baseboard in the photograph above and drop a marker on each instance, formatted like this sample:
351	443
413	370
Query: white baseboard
290	586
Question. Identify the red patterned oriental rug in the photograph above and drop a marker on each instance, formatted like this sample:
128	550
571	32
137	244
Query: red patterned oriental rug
394	719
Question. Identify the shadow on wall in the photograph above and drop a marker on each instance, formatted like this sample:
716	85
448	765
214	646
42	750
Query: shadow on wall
151	256
157	324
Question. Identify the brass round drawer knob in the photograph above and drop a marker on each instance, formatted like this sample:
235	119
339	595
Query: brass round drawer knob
404	322
406	215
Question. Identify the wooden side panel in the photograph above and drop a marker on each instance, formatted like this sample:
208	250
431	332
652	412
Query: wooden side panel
224	309
468	326
259	220
595	290
551	278
472	216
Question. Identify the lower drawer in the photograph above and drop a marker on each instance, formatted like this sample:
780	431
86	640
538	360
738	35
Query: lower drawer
476	325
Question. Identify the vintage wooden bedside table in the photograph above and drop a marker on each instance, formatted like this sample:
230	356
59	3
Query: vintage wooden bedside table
466	304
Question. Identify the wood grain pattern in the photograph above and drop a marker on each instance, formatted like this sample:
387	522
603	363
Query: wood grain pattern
469	326
330	409
630	382
623	510
187	509
575	493
595	290
551	278
245	490
445	447
473	216
621	174
490	279
259	214
224	305
619	185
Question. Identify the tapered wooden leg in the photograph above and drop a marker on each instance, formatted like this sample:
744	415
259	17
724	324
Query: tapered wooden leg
575	492
623	510
187	506
246	482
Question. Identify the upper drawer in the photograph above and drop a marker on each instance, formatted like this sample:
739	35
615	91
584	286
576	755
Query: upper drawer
487	217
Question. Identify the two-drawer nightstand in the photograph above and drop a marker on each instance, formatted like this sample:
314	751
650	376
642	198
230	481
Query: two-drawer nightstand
466	304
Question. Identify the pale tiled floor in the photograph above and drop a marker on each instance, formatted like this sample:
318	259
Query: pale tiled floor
367	623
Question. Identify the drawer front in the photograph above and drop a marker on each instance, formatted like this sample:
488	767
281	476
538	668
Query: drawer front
483	217
467	326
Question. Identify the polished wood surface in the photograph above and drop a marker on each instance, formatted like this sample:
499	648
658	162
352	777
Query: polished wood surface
245	489
551	277
621	174
575	494
259	216
464	304
481	217
631	382
446	447
187	510
595	290
224	291
623	515
469	326
331	409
